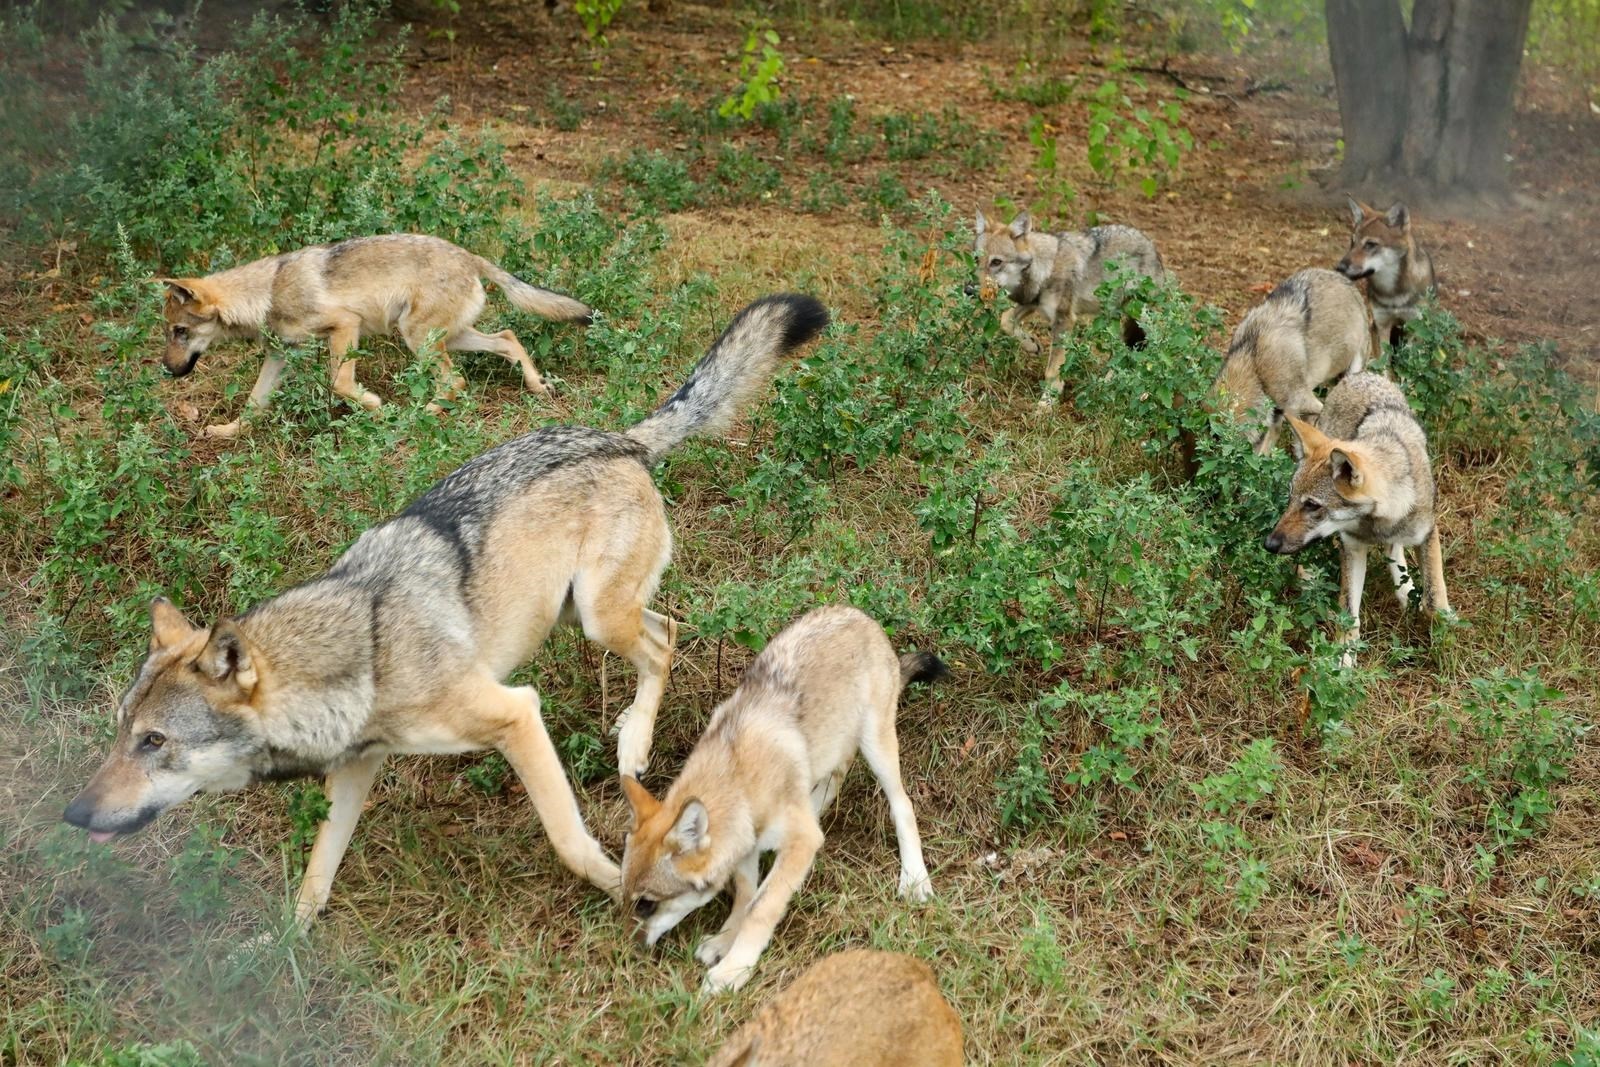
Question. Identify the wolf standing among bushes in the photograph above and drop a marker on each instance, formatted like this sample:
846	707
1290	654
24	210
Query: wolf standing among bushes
420	287
403	645
1399	273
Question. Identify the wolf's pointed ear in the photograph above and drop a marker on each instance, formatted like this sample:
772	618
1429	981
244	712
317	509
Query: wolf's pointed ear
981	226
1357	212
639	799
1307	438
226	658
168	627
1349	471
692	831
180	289
1021	226
1398	217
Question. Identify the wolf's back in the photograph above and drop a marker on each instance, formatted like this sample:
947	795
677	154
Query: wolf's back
737	367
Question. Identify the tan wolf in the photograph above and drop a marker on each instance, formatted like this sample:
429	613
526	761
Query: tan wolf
419	287
1364	474
769	763
403	645
1312	328
1055	275
1399	273
852	1009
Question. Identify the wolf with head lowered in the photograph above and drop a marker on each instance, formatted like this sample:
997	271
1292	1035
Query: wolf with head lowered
403	645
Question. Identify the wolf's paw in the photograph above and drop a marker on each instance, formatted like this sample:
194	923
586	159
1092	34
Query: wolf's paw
535	385
1348	659
713	949
226	431
633	745
915	887
725	979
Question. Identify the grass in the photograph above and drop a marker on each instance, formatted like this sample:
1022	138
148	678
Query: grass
1162	826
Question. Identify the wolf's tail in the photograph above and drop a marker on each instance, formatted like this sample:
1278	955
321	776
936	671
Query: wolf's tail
544	302
738	366
922	667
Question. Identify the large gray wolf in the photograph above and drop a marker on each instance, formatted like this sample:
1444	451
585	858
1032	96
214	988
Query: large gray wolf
770	761
403	645
1364	474
422	288
852	1009
1398	271
1055	275
1312	328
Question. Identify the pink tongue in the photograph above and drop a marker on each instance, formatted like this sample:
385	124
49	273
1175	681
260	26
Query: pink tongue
100	837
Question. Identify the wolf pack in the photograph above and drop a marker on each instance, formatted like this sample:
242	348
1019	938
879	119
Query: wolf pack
405	643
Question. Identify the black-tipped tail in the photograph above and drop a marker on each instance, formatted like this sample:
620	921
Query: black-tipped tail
922	667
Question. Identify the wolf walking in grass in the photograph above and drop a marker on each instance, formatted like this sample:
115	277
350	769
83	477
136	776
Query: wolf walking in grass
768	765
1309	330
404	644
423	288
1056	275
1364	474
1398	271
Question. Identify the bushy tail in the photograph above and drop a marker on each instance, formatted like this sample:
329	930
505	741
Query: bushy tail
922	667
544	302
737	367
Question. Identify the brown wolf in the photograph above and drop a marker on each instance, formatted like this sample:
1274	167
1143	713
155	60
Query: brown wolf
1399	273
1056	275
419	287
1313	327
769	763
852	1009
403	645
1364	474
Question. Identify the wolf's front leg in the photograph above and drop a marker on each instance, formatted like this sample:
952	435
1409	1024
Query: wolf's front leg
772	900
260	397
745	878
1352	579
1056	358
1011	323
347	790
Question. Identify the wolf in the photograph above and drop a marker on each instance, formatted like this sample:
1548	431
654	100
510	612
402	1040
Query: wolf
770	762
851	1008
1312	328
404	644
1398	271
1055	275
1364	474
423	288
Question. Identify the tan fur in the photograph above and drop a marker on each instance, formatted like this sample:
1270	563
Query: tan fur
425	289
1364	474
1397	271
852	1009
1311	329
769	763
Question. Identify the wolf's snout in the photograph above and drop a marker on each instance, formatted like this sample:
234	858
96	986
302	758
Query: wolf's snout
81	813
184	368
1274	542
1350	272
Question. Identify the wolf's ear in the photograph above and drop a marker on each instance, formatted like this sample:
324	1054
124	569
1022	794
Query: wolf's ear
639	799
226	658
1307	438
1357	212
168	627
981	226
1349	472
1398	217
1021	226
179	289
692	831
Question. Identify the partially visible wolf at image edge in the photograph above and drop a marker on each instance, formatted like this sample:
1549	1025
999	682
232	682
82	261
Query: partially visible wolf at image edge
401	647
420	287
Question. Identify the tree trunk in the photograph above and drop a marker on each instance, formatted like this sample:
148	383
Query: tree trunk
1427	107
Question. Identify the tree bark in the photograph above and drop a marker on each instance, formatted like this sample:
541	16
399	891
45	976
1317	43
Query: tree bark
1367	44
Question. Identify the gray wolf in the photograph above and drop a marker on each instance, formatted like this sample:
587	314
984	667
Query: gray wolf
1398	271
1312	328
852	1008
770	762
1055	275
422	288
1364	474
403	645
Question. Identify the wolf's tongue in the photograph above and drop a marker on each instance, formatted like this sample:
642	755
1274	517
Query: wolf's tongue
100	837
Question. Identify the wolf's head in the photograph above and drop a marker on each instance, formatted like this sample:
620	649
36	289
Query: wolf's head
193	322
666	861
185	726
1003	254
1333	489
1378	241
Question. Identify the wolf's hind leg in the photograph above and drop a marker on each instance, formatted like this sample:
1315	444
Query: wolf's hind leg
347	790
880	747
505	345
341	339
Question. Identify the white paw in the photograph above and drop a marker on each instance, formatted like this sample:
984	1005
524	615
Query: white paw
1348	660
916	887
370	400
226	431
713	949
725	979
633	745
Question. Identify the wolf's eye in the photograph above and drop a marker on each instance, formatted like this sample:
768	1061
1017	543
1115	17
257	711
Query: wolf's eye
180	332
1311	505
1369	244
153	740
994	264
644	907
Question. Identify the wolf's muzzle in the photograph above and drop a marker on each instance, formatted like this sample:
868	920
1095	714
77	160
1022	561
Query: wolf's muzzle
1350	272
179	372
1275	543
81	813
